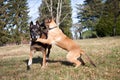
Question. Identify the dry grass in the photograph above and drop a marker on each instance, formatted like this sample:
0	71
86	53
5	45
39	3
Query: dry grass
105	52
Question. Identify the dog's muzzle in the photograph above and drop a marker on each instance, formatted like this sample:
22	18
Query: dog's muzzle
35	36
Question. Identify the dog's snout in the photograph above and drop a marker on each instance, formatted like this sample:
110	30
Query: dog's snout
37	36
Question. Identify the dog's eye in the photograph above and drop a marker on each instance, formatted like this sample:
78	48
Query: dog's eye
34	30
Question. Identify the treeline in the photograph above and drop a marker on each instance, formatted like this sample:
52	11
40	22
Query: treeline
13	21
100	17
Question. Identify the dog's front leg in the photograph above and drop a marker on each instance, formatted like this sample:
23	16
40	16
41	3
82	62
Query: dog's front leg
45	41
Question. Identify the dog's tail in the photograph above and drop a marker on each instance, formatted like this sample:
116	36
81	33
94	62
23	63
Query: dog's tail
88	58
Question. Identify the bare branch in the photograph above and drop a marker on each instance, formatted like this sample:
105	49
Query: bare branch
47	5
60	8
51	3
57	15
64	18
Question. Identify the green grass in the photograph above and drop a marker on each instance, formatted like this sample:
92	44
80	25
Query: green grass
105	52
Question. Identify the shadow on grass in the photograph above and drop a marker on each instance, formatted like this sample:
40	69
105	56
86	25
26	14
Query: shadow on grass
38	60
60	61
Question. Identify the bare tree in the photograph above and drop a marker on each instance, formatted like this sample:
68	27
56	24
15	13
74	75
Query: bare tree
76	30
58	10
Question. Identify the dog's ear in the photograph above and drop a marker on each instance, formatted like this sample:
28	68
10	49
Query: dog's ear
48	20
31	23
54	19
37	24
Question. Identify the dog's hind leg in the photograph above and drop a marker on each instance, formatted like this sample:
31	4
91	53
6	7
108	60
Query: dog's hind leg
73	59
81	60
88	58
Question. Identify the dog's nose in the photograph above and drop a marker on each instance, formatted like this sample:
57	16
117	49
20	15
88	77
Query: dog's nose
37	36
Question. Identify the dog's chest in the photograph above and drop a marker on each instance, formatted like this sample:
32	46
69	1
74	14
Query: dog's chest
56	40
55	36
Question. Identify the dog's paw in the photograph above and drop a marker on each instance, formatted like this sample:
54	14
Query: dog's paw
28	67
38	40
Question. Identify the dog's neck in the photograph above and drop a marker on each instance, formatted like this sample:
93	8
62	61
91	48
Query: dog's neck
52	27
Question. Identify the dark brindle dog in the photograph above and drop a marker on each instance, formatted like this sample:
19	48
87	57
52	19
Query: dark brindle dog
37	31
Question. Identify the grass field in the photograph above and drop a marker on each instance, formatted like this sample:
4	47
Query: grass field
105	52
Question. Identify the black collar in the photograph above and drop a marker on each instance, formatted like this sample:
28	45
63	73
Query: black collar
52	28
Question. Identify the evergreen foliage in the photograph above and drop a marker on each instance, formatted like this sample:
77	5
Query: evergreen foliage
102	16
13	21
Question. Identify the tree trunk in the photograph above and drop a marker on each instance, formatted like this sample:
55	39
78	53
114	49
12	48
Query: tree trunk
115	25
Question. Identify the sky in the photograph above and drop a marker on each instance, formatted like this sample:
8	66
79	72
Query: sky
34	4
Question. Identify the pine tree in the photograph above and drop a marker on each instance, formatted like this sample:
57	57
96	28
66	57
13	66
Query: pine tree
109	22
13	21
19	20
89	15
113	8
101	16
4	34
90	12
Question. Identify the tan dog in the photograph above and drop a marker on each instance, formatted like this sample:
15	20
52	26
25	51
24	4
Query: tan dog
57	37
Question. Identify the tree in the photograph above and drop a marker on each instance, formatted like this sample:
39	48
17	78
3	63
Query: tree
89	12
102	16
19	20
109	22
4	18
113	7
13	21
76	31
60	10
